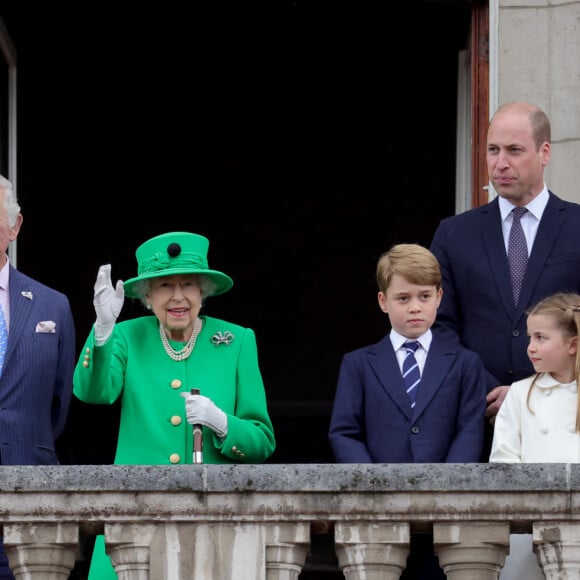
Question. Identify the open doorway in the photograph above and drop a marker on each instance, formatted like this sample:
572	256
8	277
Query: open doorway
303	143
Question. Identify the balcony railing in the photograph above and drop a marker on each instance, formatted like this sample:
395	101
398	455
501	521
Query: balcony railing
256	522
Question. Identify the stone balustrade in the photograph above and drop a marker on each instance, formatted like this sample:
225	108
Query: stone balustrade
256	522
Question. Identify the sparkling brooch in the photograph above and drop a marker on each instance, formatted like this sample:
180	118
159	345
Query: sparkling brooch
222	338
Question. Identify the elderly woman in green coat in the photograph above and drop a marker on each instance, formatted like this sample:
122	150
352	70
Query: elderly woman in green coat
153	363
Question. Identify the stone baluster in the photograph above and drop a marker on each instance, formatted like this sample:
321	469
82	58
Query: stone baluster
41	551
372	551
129	546
558	547
286	548
471	550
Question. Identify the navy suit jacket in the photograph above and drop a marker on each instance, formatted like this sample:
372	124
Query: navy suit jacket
36	383
372	420
477	301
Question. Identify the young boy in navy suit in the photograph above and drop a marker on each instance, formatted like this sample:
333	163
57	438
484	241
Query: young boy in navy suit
374	419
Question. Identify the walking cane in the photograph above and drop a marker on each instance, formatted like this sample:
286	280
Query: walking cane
197	438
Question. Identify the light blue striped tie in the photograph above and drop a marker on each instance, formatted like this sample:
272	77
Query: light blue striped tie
3	339
411	373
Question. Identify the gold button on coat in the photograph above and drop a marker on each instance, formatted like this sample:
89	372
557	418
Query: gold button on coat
176	420
175	384
174	458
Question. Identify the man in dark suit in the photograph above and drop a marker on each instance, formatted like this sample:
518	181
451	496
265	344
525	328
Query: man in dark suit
36	377
374	420
478	304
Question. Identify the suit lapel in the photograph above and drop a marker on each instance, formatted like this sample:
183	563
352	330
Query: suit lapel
548	230
21	309
383	361
492	236
439	359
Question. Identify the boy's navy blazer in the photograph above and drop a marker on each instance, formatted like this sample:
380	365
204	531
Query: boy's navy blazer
372	420
36	383
476	284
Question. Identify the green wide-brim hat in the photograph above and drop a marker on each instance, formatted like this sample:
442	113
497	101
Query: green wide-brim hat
175	253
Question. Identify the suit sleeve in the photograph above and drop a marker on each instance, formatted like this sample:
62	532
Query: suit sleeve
62	393
347	423
467	444
447	314
449	319
98	375
250	428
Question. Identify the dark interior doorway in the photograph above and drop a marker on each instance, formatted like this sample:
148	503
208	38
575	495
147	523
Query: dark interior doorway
302	139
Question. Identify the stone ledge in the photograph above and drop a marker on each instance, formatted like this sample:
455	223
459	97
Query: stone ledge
295	477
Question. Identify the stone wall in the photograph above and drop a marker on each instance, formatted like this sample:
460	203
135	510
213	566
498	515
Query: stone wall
535	56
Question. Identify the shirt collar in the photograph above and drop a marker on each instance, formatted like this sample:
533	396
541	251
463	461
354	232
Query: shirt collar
398	340
547	381
4	275
536	207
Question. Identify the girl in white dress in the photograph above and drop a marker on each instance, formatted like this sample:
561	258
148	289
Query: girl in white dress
539	420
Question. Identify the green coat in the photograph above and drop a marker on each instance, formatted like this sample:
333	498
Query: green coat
153	429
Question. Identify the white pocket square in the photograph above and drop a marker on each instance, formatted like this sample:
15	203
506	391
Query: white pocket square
46	326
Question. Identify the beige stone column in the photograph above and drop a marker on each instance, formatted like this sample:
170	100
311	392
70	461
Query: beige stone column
372	551
286	548
41	551
538	51
129	546
471	550
558	547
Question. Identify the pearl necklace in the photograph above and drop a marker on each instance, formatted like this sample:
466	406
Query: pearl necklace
183	353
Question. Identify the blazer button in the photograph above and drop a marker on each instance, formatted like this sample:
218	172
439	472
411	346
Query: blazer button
175	384
415	429
174	458
176	420
515	332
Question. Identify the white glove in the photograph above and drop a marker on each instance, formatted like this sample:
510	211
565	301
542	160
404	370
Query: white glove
108	303
202	411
